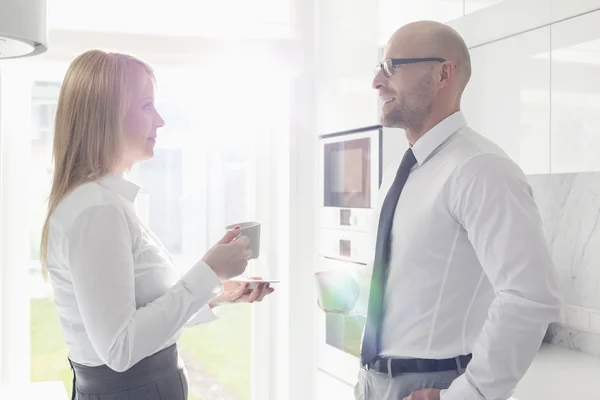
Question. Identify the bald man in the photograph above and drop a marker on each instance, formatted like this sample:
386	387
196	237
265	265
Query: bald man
463	287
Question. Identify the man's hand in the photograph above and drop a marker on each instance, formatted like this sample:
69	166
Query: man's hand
238	292
425	394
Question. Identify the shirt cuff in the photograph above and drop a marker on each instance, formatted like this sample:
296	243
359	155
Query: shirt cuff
202	283
461	389
204	316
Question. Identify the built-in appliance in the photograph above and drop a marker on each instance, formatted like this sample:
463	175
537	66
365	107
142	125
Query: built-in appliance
349	178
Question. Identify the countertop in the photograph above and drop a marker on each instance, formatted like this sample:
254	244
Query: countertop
558	373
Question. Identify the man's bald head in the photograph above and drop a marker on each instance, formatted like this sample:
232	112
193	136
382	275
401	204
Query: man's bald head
432	39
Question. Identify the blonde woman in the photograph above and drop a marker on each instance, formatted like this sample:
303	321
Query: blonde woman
120	302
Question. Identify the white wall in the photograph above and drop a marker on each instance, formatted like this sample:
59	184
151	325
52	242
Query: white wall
257	18
14	231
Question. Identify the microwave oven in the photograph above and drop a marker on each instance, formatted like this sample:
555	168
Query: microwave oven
350	176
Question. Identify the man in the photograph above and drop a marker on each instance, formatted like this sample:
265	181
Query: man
463	286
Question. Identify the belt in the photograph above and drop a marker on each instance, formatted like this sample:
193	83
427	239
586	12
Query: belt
398	366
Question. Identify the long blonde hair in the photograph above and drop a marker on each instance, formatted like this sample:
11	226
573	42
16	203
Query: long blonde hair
88	127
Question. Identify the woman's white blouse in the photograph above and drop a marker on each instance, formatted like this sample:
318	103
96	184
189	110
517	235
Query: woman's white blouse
118	294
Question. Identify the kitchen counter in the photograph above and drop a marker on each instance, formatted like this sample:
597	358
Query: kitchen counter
559	373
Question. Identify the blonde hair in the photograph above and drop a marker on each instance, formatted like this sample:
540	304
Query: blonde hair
88	127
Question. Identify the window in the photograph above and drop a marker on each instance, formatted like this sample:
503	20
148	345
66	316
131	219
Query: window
201	179
44	96
42	115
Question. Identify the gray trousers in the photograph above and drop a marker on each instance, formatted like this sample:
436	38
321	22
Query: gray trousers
160	376
377	386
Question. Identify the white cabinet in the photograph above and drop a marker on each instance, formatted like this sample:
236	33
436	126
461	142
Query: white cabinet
395	13
503	19
474	5
508	97
575	140
346	53
329	388
562	9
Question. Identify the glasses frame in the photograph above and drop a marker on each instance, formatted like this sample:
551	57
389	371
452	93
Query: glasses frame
389	65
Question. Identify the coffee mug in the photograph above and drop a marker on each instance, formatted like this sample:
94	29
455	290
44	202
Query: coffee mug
251	229
338	292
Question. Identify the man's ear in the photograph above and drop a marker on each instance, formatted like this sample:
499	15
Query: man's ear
445	72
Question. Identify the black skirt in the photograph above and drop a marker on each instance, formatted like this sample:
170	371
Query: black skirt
158	377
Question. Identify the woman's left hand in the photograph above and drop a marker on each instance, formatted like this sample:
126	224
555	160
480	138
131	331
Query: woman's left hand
239	292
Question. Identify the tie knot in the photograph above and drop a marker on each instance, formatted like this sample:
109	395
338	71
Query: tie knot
408	161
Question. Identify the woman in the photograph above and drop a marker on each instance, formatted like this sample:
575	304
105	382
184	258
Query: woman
120	302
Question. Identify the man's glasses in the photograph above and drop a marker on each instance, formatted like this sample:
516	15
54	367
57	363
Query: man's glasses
389	65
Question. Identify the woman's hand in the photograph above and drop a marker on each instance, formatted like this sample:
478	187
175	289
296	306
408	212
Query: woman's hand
239	292
229	257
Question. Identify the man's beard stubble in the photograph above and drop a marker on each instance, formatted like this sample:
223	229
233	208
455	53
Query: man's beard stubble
414	108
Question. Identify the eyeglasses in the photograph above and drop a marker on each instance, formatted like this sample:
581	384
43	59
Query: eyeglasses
389	65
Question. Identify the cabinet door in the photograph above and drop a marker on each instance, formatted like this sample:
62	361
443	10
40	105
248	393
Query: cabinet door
395	13
576	94
329	387
474	5
508	97
346	53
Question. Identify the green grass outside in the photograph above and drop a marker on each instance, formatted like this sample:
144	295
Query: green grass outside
221	348
48	352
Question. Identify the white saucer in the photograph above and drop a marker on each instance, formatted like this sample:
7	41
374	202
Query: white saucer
257	280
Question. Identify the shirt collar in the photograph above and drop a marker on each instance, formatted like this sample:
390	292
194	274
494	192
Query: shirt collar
432	139
120	186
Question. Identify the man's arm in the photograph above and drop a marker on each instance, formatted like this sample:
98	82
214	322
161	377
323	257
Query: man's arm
491	199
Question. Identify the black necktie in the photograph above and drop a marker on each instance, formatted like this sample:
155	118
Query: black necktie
370	342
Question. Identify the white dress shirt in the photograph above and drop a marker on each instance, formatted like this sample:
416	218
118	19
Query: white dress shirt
470	271
117	291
